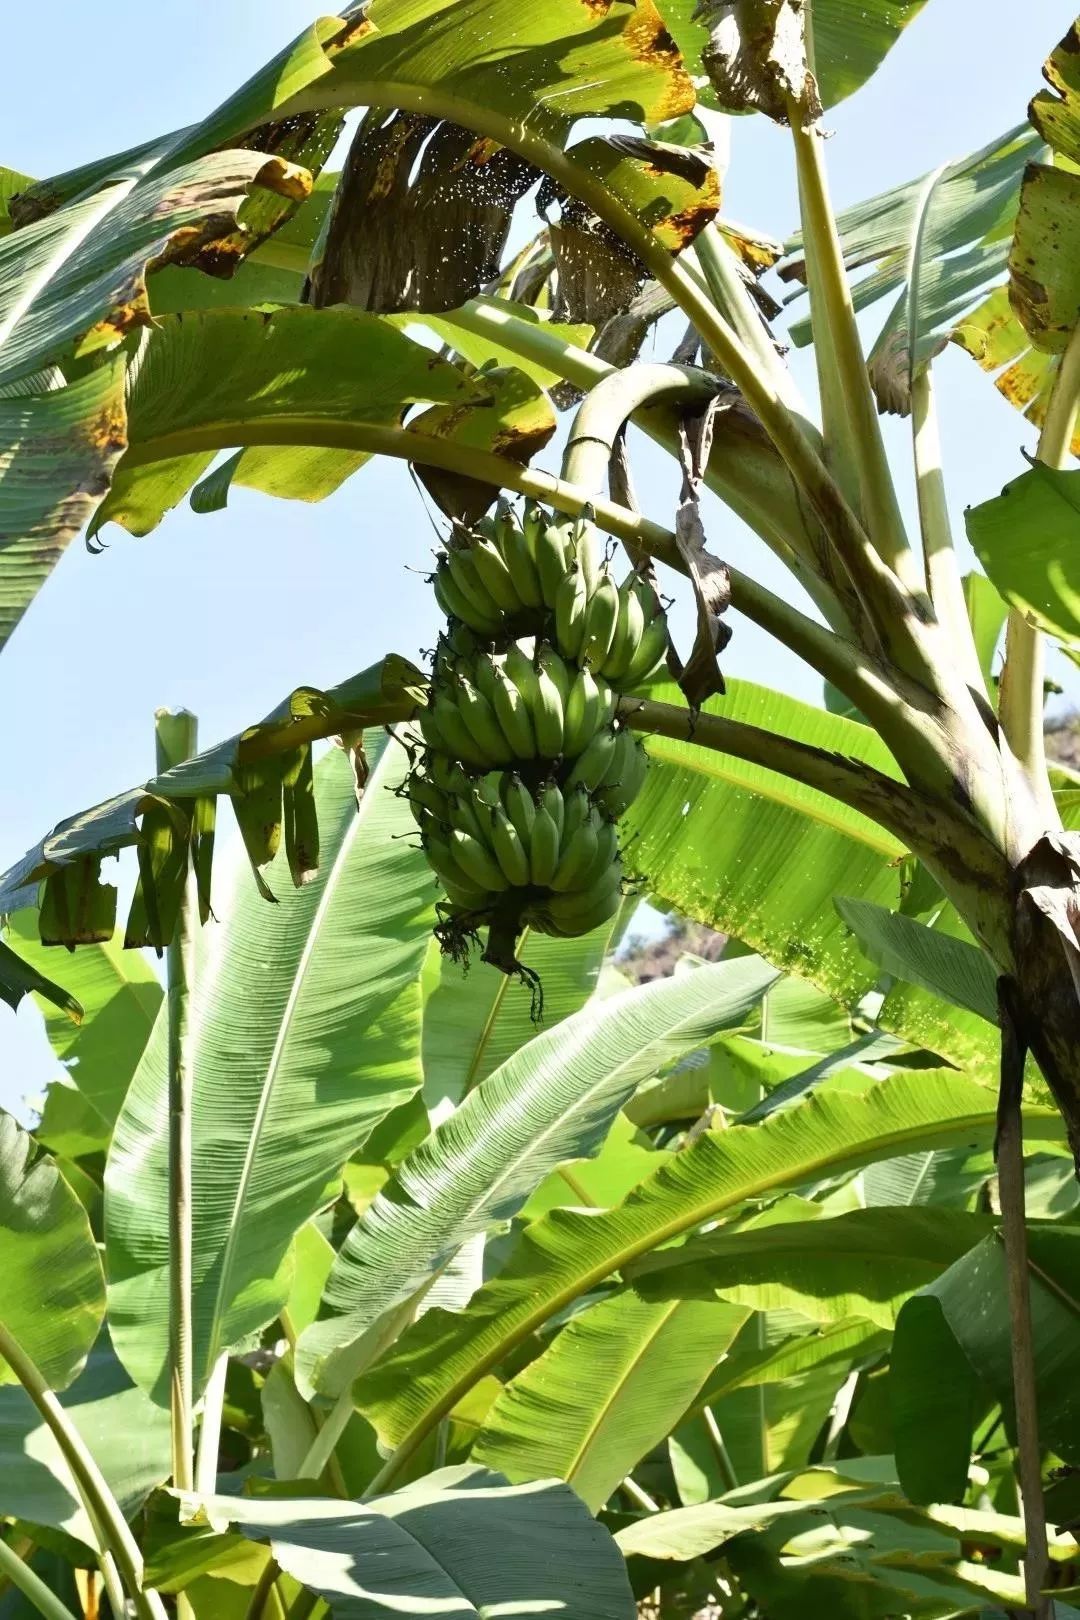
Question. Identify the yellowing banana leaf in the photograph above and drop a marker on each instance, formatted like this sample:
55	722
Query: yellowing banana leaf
281	1100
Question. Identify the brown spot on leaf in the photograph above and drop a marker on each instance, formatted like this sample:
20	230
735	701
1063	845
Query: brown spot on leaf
686	224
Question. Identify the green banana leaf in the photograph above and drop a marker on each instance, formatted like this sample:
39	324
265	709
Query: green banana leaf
213	377
933	1396
281	1099
612	1385
754	854
1026	539
476	1018
460	1542
53	1296
553	1100
860	1265
567	1253
953	969
120	995
127	1435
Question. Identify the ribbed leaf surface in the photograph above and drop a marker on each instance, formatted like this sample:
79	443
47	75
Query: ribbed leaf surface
553	1100
306	1032
53	1294
460	1543
566	1253
613	1384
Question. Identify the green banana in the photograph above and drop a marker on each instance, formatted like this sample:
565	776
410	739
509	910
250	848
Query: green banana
552	548
446	867
582	705
479	717
424	795
600	621
513	716
485	611
594	762
590	552
651	653
467	815
560	671
454	603
446	773
458	738
577	809
480	867
628	631
577	908
520	806
551	798
509	850
571	602
496	577
543	847
547	715
625	777
578	859
516	548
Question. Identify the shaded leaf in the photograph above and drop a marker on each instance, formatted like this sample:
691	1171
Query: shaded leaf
933	1393
459	1542
1026	539
951	968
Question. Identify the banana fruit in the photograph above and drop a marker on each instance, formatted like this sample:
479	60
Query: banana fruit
523	767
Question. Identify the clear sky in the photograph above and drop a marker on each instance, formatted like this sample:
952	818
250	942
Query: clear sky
226	614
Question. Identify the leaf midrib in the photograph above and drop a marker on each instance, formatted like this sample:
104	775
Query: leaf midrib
806	1170
329	893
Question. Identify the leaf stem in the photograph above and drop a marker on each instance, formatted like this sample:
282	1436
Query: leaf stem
31	1585
1022	697
610	404
825	265
176	737
322	1447
101	1504
206	1467
943	581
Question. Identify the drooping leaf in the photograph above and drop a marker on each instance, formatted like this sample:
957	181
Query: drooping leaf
60	446
459	1542
718	839
568	1252
613	1384
860	1265
951	968
281	1100
972	1295
218	377
933	1392
935	244
54	1292
850	39
1026	539
553	1100
993	336
1044	282
125	1433
256	757
120	994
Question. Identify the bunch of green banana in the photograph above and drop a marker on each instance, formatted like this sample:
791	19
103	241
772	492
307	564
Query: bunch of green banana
552	853
493	709
619	631
500	577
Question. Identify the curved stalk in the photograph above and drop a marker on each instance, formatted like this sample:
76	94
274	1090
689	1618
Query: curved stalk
943	581
831	294
101	1504
839	660
1023	673
610	404
31	1586
890	609
773	513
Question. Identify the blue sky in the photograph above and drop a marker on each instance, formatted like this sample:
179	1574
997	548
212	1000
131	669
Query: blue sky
226	614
